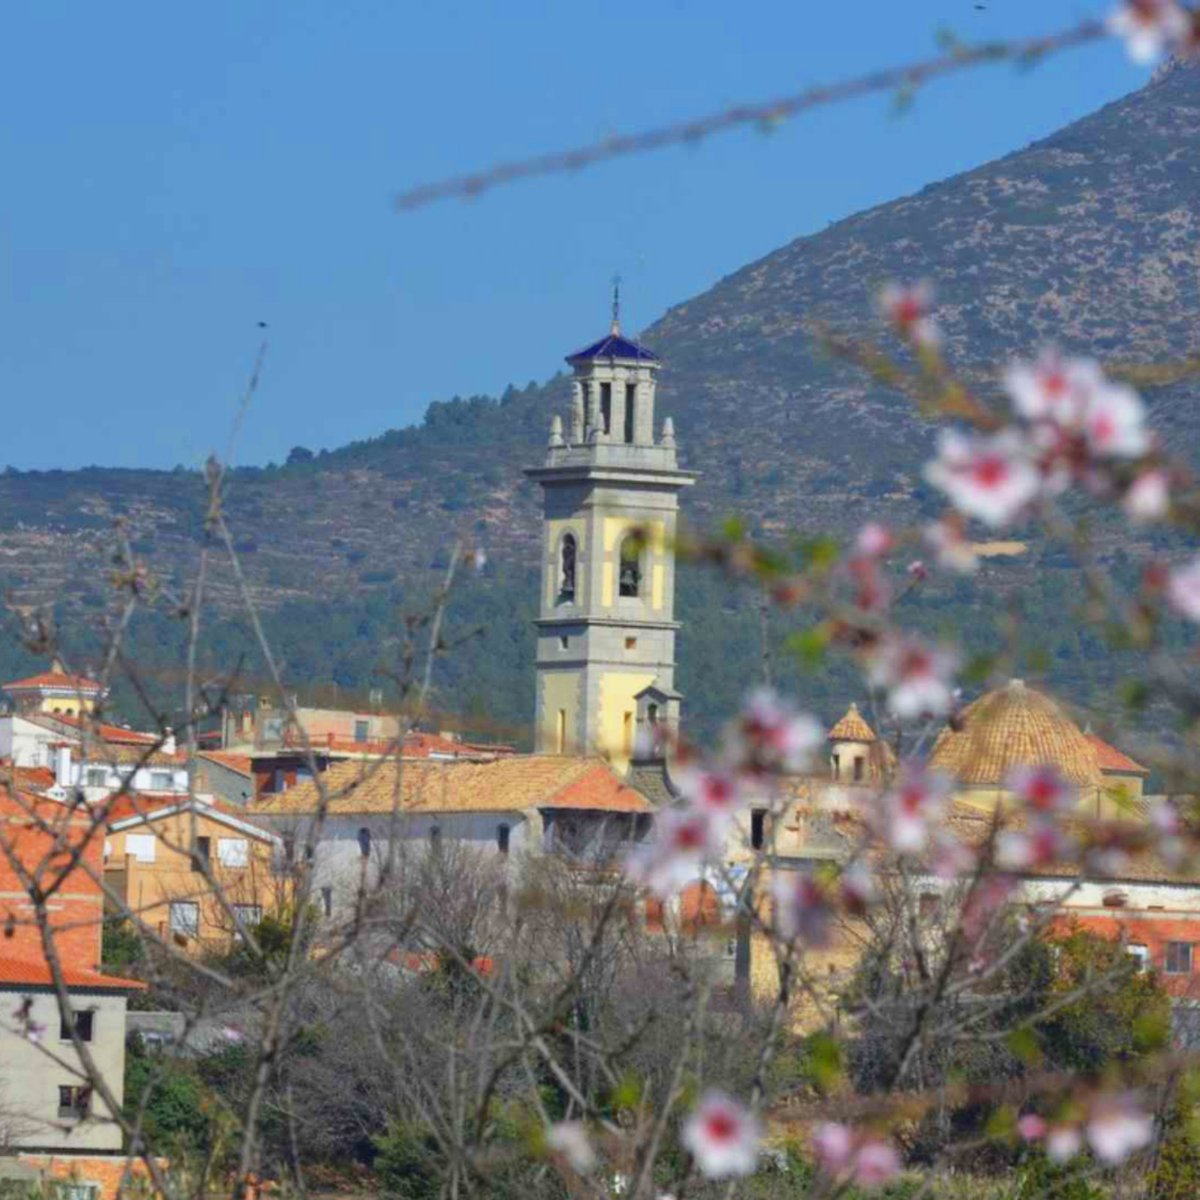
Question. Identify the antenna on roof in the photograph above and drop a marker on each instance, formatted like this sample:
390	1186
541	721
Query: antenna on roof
616	306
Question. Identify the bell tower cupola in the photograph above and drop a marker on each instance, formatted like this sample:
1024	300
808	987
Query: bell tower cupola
606	624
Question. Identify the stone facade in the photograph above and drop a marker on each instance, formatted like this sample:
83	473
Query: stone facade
606	627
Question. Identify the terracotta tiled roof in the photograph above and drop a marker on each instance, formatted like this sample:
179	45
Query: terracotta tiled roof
114	734
852	728
1109	758
421	785
54	679
141	804
35	779
1014	726
17	972
126	755
599	790
243	764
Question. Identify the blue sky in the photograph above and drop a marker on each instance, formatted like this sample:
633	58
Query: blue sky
174	174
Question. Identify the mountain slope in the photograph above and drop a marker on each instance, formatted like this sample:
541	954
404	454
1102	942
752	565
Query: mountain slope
1088	238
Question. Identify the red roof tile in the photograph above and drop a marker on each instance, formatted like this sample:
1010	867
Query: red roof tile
53	679
243	764
115	734
1109	758
31	973
599	790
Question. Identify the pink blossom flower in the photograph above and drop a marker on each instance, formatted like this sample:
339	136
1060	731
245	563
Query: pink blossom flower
1042	789
685	841
1043	844
1116	1127
985	901
569	1139
1183	589
877	1163
950	857
722	1136
1149	497
852	1157
857	887
918	570
1031	1127
1149	28
989	476
1169	832
803	910
717	792
777	735
954	551
872	592
917	677
907	307
874	540
919	798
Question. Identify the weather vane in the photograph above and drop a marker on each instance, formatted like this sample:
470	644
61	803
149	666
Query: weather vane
616	307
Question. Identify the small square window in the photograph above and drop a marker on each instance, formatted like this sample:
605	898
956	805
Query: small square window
84	1024
74	1103
564	642
1178	958
185	918
631	643
161	781
1140	954
96	777
249	915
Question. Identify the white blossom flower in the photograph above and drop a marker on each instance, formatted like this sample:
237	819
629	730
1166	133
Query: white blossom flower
1183	589
570	1140
776	734
1063	1142
718	792
1116	1127
908	809
917	677
803	910
907	307
953	550
684	841
1019	849
1051	388
1149	497
1114	422
989	476
722	1136
1149	28
1042	789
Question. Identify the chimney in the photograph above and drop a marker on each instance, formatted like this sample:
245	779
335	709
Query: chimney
62	766
169	745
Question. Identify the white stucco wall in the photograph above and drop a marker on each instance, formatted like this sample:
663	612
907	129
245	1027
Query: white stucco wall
30	1077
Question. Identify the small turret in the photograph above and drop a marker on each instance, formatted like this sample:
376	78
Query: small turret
556	432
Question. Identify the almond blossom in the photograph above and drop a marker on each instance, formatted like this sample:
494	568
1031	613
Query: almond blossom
569	1139
773	734
874	540
950	545
1183	589
803	908
1018	850
1150	28
988	476
685	841
1116	1127
1052	388
906	812
722	1136
717	792
1042	790
917	677
1148	497
907	308
852	1157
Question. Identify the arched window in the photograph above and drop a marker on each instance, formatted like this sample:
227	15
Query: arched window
630	566
364	841
566	570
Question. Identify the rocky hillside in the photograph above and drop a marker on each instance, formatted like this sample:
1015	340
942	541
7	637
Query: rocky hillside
1088	238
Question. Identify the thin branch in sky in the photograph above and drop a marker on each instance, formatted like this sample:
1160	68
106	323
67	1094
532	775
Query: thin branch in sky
904	81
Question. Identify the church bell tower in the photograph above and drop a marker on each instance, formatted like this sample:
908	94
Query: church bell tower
606	622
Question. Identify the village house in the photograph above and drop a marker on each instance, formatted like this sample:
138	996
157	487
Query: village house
53	1123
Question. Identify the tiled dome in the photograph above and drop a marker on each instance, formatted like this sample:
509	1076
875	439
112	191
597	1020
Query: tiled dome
1014	726
852	728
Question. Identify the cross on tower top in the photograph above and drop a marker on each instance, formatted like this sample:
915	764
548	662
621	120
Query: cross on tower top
616	306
